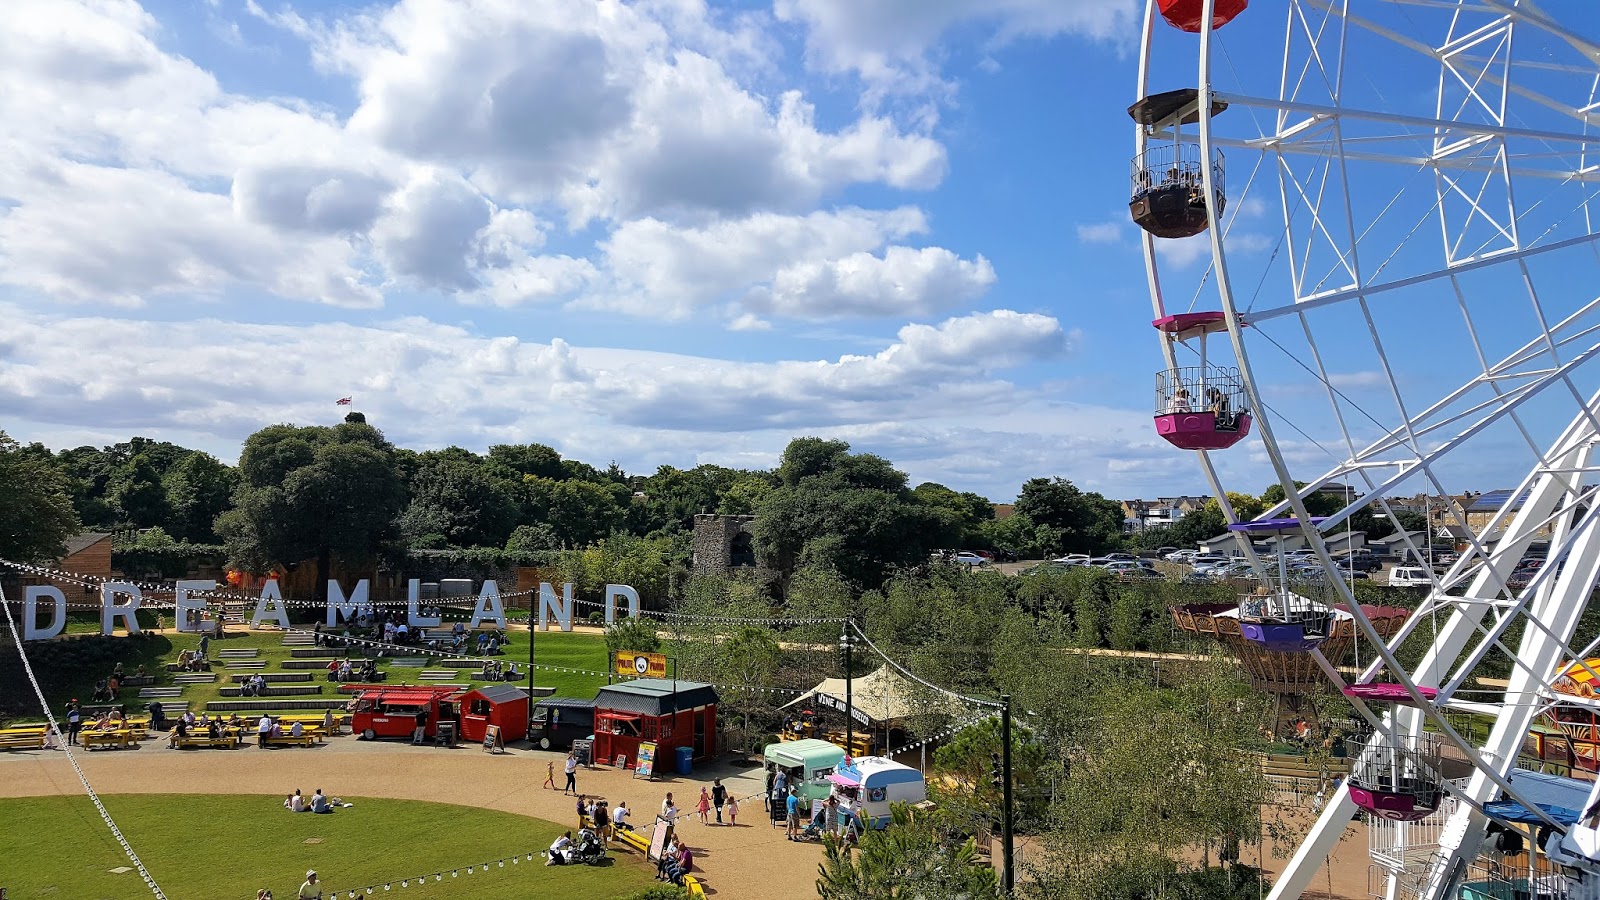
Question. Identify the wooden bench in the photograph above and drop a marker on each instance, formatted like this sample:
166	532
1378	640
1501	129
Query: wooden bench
22	739
314	721
120	739
308	738
225	742
633	839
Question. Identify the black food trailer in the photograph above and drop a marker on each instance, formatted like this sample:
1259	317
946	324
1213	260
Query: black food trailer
558	721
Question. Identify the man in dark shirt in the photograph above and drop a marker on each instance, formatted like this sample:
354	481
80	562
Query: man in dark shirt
422	726
719	796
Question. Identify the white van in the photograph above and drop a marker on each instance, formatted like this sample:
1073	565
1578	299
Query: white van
1409	576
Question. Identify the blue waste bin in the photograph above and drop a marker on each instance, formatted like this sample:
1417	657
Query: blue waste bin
685	760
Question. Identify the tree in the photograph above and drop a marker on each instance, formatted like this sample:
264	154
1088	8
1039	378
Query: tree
533	538
966	764
452	496
1079	521
314	493
198	490
848	512
581	512
915	857
36	511
632	634
136	492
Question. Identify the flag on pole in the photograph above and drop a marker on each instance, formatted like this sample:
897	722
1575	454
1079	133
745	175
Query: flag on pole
344	401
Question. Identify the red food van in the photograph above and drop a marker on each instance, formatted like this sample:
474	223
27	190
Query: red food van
392	712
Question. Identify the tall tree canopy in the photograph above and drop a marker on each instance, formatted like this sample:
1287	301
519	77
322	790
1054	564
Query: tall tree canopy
36	514
1074	521
851	512
314	493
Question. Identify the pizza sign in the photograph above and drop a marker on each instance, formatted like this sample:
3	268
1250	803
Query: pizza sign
651	665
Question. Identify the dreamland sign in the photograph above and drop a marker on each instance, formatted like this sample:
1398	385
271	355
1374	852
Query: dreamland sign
121	600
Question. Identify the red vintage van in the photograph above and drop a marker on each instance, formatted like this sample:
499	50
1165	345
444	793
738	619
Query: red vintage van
392	712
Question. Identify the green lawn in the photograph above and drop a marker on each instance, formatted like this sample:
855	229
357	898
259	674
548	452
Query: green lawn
569	650
201	847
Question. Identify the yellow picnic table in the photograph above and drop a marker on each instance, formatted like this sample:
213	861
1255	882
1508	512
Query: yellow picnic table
120	738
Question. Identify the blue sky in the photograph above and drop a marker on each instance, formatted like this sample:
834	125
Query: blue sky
656	232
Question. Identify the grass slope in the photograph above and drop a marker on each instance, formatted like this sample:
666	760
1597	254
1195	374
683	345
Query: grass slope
215	847
574	650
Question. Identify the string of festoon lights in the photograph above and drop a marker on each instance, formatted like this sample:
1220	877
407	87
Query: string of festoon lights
436	877
55	728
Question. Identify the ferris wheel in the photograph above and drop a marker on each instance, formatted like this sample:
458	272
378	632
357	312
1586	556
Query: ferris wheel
1371	241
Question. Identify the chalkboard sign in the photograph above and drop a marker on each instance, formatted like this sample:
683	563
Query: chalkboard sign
583	751
622	761
644	763
492	742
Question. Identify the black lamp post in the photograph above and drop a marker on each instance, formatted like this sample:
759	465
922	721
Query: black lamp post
846	645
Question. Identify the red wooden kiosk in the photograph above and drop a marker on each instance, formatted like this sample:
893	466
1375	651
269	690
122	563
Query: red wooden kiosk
667	713
505	705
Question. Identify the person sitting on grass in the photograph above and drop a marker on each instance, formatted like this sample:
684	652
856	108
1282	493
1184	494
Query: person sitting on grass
297	803
560	849
320	804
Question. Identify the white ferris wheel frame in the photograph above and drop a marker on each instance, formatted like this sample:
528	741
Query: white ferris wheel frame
1560	489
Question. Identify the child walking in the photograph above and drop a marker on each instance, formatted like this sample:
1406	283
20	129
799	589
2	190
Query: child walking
550	774
732	809
703	807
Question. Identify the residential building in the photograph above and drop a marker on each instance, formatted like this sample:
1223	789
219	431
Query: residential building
1142	515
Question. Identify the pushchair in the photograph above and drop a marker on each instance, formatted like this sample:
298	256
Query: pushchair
587	849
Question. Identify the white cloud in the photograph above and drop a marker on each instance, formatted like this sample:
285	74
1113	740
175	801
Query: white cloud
887	42
429	384
814	266
88	233
1107	232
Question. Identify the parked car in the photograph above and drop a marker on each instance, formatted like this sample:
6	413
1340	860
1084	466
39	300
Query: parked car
1202	560
1163	551
1052	567
1182	555
1080	558
1359	560
1409	576
966	558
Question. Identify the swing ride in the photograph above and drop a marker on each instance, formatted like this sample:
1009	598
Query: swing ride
1403	282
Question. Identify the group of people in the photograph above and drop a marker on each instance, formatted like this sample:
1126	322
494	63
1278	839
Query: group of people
193	660
494	670
311	889
318	803
1215	400
676	861
344	670
717	800
253	686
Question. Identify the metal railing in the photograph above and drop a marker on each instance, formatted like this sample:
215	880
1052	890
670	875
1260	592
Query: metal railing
1177	164
1196	389
1264	604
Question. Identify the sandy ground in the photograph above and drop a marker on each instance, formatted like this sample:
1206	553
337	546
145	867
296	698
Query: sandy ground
752	860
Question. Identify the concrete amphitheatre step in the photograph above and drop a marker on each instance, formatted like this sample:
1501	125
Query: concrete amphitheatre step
309	652
303	664
437	674
240	665
194	678
292	690
293	703
409	662
160	693
463	663
299	639
273	677
238	653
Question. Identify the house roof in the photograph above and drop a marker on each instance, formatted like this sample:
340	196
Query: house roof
564	703
81	542
655	696
1491	501
500	693
1399	538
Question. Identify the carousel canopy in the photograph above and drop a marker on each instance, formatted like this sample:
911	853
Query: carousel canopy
882	697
